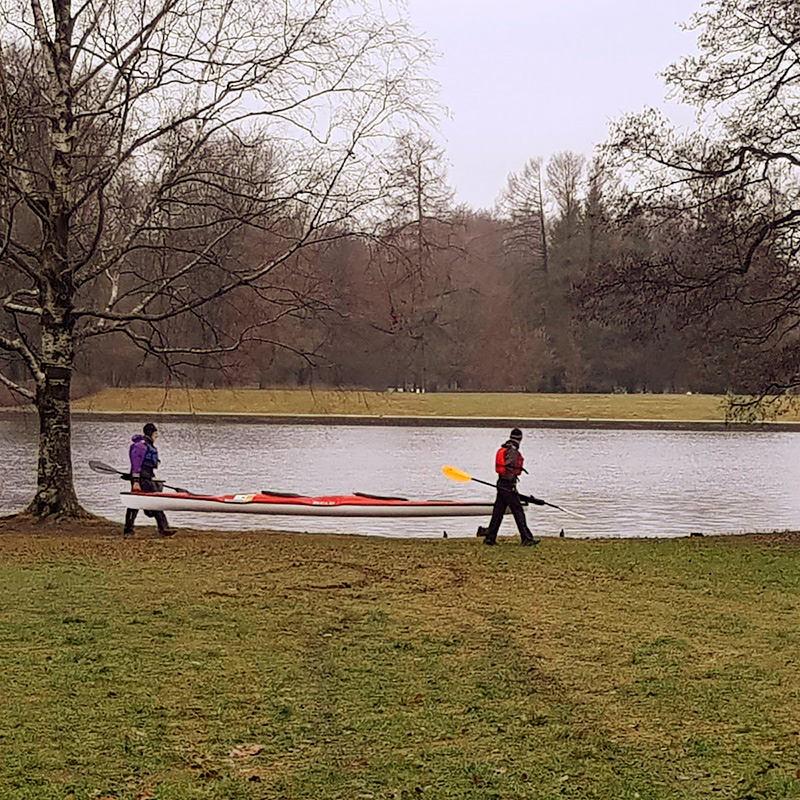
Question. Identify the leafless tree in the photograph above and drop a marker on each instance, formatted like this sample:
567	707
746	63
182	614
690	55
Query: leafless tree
413	247
522	204
722	202
565	173
417	191
122	197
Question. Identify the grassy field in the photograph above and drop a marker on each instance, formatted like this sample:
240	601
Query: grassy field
403	404
245	666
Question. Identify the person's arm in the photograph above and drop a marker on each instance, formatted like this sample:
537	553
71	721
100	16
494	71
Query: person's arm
137	454
500	463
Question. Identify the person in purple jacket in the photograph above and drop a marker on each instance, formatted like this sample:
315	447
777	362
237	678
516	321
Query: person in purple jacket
144	461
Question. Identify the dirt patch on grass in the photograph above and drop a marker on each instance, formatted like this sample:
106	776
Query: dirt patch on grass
356	559
24	525
93	528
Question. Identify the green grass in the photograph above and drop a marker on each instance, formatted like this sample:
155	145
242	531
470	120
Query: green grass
393	404
346	668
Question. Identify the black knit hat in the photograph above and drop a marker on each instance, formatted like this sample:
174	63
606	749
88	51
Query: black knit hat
516	435
149	429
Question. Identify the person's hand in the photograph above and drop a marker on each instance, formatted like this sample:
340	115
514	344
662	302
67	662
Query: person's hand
136	487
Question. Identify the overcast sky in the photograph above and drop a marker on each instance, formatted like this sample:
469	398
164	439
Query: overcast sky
527	78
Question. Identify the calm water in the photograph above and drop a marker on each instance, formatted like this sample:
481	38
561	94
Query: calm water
628	483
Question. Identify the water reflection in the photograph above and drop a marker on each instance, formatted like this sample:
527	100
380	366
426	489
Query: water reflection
628	483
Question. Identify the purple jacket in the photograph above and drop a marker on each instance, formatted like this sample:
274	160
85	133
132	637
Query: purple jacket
143	453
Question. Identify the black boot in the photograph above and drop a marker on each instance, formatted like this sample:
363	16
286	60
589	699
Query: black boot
163	526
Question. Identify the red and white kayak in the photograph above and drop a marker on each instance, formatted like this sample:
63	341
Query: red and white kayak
350	505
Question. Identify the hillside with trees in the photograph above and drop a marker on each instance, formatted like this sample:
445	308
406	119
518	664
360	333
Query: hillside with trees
435	298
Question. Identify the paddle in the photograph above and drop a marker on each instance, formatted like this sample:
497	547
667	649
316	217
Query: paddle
99	466
459	475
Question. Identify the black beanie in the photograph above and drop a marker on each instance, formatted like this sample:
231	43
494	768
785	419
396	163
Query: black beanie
149	429
516	435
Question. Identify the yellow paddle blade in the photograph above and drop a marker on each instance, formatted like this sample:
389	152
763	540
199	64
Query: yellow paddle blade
455	474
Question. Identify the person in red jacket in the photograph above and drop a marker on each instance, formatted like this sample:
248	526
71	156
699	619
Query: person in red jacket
508	463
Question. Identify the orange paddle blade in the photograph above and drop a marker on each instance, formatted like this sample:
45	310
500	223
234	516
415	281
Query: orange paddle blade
456	474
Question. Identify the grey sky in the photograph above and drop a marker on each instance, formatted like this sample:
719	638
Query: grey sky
526	78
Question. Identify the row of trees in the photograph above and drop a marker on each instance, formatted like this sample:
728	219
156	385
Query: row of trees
192	191
436	297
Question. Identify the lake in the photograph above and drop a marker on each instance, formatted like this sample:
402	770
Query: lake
626	482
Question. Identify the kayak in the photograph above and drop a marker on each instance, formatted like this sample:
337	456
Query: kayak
350	505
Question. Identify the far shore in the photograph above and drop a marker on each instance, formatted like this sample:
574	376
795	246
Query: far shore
462	409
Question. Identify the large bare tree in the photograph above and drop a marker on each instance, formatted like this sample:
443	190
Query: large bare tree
413	248
143	140
565	175
720	204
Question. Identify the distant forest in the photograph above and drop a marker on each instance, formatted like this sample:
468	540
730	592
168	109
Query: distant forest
441	298
323	247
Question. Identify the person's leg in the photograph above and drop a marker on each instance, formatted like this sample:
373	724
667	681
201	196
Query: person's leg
163	526
497	517
518	511
130	516
148	484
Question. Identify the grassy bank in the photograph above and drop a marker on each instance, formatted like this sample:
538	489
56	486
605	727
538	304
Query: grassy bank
402	404
274	666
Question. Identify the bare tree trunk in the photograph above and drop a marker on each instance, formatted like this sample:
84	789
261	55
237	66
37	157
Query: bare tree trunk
542	226
55	492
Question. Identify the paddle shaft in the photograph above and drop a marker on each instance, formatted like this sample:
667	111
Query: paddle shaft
531	499
126	476
97	466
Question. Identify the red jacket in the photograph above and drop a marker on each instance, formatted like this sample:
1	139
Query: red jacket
508	461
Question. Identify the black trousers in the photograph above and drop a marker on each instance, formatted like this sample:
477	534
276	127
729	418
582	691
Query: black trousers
507	497
147	483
